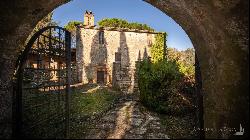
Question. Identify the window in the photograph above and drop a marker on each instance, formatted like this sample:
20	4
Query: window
101	37
149	43
117	56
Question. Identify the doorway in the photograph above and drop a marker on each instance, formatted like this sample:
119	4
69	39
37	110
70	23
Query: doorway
100	77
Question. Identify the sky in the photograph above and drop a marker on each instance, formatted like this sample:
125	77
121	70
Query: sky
130	10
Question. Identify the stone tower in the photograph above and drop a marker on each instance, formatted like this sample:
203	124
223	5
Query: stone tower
89	19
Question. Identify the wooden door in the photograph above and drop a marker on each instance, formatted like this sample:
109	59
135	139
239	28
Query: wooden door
100	77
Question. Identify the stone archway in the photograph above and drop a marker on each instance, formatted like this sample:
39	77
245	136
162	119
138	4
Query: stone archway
217	29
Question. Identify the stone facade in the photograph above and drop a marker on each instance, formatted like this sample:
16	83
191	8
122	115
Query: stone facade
53	64
113	53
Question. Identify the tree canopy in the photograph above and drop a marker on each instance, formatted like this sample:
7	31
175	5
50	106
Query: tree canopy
185	59
71	26
120	23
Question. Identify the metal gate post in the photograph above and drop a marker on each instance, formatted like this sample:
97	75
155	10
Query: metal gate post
68	65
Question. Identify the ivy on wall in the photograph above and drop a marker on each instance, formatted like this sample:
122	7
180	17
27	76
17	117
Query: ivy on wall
157	49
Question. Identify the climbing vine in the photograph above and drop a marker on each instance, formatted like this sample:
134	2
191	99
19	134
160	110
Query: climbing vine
157	49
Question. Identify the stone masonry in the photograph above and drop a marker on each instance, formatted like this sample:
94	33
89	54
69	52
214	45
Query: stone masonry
112	51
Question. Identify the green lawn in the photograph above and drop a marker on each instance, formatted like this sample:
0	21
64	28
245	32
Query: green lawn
86	103
86	106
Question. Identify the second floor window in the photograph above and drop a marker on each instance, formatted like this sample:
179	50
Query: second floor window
117	56
149	43
101	37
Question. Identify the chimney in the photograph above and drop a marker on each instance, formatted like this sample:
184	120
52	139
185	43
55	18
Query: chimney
89	19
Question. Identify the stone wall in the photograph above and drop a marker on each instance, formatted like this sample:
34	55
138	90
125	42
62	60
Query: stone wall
91	54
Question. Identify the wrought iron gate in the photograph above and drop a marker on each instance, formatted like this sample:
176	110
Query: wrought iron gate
41	104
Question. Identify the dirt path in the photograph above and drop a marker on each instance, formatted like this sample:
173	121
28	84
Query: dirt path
127	120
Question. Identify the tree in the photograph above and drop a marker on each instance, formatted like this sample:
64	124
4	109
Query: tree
71	26
185	60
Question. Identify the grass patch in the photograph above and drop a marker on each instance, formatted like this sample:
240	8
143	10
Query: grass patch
87	106
43	108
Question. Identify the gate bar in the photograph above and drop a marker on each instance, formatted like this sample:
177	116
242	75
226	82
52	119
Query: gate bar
68	65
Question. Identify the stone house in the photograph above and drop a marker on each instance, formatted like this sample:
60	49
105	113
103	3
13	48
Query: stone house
45	62
108	55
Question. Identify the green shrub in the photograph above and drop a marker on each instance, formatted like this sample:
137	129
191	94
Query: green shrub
167	86
185	61
159	87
